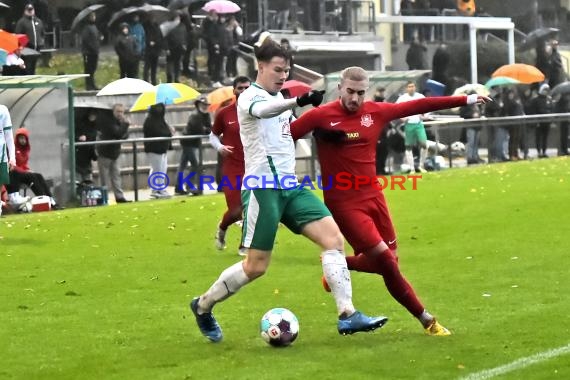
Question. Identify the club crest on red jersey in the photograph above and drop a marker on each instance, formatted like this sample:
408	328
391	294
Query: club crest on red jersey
366	120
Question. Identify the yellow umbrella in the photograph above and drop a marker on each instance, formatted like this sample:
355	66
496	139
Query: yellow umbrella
165	93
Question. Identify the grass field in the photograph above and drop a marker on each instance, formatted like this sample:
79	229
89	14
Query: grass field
103	293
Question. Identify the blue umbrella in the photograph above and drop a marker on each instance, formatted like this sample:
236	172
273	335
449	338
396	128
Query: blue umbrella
3	55
435	88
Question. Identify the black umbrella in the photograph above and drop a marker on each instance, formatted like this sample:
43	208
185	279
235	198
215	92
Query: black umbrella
160	13
82	16
537	35
562	88
193	5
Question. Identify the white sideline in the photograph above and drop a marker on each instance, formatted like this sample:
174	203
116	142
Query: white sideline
519	364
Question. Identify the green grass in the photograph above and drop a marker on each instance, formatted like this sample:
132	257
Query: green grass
103	293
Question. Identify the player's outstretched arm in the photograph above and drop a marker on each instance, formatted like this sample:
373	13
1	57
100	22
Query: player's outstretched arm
271	108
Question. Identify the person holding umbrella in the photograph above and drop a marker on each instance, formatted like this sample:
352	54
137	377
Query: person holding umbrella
90	39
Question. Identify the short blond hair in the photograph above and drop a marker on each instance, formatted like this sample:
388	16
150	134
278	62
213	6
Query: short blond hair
354	73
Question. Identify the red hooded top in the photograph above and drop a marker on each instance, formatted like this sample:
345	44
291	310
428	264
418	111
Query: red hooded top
22	151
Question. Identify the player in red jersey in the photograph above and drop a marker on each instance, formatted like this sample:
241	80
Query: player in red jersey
230	148
346	132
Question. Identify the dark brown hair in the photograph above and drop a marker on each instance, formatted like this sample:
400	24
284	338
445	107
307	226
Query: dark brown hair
270	49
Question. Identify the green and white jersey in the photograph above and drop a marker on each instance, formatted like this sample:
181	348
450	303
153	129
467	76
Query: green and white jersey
268	147
5	127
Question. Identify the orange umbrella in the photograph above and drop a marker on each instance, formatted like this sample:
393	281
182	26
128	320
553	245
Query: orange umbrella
220	96
10	41
522	72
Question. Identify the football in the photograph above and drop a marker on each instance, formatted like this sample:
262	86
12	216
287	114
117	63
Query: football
279	327
458	146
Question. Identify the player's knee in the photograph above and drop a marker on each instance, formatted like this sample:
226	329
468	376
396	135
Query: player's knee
333	240
388	262
255	265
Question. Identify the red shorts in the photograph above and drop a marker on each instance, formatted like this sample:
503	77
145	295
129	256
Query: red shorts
233	192
366	224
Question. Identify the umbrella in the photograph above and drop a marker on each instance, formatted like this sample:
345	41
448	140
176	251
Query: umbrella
10	41
160	13
470	88
500	81
436	88
537	35
522	72
562	88
193	4
92	105
221	6
82	16
29	52
3	56
167	26
296	88
126	86
219	96
166	93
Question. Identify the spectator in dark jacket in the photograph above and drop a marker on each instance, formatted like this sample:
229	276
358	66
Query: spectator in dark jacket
154	45
90	38
213	32
472	133
556	74
126	49
108	155
540	105
416	55
517	132
199	124
189	69
175	48
155	126
33	27
86	130
563	106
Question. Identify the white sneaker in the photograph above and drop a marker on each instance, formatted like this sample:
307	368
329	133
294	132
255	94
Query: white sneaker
242	251
217	85
15	200
220	238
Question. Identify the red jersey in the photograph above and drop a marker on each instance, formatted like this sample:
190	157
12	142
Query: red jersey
226	125
355	156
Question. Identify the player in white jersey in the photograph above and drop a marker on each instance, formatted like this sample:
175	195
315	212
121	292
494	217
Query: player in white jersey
415	132
270	196
7	149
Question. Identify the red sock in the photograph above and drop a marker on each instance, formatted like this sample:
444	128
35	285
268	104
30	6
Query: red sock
229	218
386	265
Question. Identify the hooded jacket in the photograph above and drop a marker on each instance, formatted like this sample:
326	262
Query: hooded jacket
155	126
22	151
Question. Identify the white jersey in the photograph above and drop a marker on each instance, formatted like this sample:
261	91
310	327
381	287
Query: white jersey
5	128
415	119
268	147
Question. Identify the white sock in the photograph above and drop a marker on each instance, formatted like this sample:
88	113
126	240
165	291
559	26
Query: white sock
338	277
230	281
410	158
426	318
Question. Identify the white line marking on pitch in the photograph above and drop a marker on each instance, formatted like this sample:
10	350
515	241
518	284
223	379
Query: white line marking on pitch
519	363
